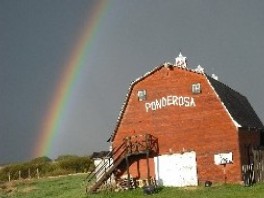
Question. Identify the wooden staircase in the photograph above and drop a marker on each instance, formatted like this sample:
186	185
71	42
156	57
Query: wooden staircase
132	145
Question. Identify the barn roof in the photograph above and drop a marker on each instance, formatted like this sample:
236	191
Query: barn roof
236	104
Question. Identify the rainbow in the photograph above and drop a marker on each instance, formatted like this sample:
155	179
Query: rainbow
63	91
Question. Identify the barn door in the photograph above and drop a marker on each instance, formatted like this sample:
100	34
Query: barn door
176	170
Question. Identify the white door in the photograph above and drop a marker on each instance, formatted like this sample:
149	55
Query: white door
176	170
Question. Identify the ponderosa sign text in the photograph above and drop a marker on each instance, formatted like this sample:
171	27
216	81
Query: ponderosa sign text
185	101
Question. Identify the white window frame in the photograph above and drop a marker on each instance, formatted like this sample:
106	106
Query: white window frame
196	88
142	95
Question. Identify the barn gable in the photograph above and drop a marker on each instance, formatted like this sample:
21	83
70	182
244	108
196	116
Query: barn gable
236	105
132	85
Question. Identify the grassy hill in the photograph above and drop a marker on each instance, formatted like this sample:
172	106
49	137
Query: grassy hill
73	187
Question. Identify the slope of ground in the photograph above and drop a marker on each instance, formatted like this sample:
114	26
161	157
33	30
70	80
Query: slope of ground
73	186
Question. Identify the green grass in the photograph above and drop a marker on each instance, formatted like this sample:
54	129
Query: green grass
69	186
72	186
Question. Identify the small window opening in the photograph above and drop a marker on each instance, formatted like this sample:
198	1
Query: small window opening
196	88
142	95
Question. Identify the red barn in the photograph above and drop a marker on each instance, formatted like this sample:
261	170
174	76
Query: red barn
181	126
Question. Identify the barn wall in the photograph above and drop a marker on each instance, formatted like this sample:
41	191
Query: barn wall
138	168
205	128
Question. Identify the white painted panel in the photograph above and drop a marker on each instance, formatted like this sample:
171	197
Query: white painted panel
223	158
176	170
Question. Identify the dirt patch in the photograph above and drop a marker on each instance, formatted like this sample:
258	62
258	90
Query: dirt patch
15	186
28	189
8	187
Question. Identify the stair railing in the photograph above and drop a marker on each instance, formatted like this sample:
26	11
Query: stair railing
104	165
131	145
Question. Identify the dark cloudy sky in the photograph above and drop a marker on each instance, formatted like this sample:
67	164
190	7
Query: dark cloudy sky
37	38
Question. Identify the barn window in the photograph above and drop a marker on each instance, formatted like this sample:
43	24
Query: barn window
142	95
196	88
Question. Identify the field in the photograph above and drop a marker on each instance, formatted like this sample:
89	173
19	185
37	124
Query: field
73	186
